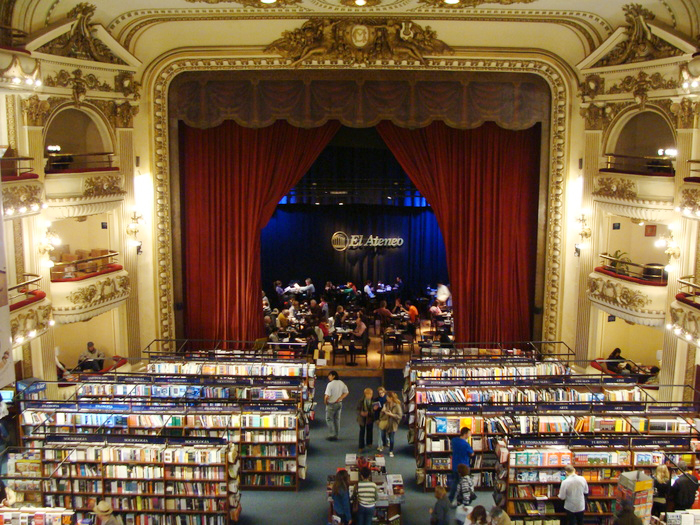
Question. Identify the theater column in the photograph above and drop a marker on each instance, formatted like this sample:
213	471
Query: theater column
588	253
125	144
675	356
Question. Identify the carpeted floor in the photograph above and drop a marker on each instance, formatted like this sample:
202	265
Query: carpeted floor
309	505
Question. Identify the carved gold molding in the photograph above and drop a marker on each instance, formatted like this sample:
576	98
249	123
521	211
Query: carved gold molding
615	188
591	87
247	3
29	319
78	83
641	44
690	198
11	110
617	294
102	291
25	194
163	75
358	41
685	112
640	85
688	321
79	42
103	186
473	3
119	115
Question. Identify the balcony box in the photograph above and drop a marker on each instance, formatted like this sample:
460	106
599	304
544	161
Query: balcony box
645	197
22	191
79	185
685	310
629	298
82	298
30	318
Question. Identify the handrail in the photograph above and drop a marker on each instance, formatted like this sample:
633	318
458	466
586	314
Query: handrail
621	267
35	278
689	281
8	164
640	165
61	161
57	270
12	37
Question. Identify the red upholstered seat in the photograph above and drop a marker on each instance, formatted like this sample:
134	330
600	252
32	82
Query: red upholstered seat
23	176
33	297
106	269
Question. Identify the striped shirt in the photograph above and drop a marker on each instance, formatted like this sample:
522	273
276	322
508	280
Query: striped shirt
367	493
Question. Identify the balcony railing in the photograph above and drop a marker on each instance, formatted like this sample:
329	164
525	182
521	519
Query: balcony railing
77	162
12	38
689	290
660	165
80	269
16	168
25	292
624	268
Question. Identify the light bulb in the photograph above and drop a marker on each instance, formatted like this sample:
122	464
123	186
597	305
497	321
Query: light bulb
669	326
35	207
688	337
677	208
48	263
670	268
694	84
360	2
32	334
660	243
29	81
16	80
38	82
677	331
451	2
19	339
685	85
23	209
56	240
44	205
9	211
51	322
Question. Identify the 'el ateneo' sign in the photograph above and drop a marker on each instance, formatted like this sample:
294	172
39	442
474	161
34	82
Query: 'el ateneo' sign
341	241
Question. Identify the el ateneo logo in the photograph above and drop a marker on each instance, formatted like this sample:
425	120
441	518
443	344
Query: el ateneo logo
341	241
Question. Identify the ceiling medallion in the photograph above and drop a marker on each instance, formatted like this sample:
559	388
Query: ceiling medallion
471	3
251	3
358	41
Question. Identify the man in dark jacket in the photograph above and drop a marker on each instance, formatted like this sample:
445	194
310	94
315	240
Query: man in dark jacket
685	488
626	515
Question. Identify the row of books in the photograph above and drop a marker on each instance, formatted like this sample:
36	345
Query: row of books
268	450
270	465
546	368
269	436
543	457
229	369
268	480
428	394
262	420
171	519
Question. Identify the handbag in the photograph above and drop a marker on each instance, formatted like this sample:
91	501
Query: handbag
355	502
383	423
472	496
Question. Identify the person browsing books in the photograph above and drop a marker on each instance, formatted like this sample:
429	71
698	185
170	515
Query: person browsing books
684	489
341	497
367	494
573	492
462	453
105	514
440	513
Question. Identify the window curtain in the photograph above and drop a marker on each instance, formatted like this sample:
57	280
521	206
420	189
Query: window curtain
483	187
232	180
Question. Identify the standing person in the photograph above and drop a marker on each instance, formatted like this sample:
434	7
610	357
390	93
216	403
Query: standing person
367	495
626	515
341	497
91	359
336	391
440	513
389	419
572	492
365	418
105	514
465	488
462	453
498	516
662	488
685	488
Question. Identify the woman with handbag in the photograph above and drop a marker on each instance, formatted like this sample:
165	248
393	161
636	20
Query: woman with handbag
389	419
341	497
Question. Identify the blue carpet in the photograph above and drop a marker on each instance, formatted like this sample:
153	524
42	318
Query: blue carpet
309	505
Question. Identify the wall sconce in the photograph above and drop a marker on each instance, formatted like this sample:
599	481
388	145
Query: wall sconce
132	230
671	248
584	233
48	243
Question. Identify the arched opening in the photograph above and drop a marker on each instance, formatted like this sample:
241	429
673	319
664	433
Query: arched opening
644	135
76	132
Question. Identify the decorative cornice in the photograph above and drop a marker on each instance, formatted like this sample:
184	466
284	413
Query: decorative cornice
690	199
35	110
358	41
247	3
641	44
103	291
79	42
685	112
81	207
617	294
473	3
598	117
78	83
33	319
640	85
163	74
615	188
591	87
685	318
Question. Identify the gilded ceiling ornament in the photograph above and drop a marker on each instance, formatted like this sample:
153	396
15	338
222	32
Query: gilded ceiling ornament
591	87
616	188
640	85
358	41
79	83
247	3
79	42
125	84
23	195
473	3
641	44
103	185
617	294
102	291
690	198
119	115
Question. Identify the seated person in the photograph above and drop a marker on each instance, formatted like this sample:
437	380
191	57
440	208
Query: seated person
316	311
269	325
436	313
340	316
617	364
358	332
283	319
91	359
383	314
368	290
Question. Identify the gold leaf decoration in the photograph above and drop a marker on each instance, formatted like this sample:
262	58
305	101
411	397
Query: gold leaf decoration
102	185
614	187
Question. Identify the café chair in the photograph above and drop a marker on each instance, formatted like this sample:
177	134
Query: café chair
363	350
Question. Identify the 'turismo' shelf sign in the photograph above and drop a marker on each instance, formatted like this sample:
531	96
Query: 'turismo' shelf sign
341	241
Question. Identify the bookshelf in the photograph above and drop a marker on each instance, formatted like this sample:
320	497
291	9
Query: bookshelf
146	478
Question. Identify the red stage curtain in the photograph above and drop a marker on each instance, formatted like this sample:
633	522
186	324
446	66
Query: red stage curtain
483	187
233	178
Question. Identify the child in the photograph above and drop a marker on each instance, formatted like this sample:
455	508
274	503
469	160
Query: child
440	513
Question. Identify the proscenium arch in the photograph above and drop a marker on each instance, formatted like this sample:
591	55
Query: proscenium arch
105	130
559	77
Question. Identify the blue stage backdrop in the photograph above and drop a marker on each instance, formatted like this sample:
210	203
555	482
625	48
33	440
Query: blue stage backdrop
296	244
